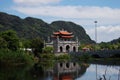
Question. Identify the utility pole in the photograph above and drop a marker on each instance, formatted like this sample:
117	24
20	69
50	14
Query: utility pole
95	31
96	43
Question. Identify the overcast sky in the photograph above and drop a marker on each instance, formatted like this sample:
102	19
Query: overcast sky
82	12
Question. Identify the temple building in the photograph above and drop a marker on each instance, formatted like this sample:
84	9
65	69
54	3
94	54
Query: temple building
62	42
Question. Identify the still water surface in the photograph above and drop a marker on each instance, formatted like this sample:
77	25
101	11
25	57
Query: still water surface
111	72
88	72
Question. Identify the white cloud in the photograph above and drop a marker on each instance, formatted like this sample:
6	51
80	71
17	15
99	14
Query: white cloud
83	12
105	33
35	2
83	15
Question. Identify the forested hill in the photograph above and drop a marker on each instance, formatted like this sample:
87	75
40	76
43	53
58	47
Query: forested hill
115	41
33	27
77	30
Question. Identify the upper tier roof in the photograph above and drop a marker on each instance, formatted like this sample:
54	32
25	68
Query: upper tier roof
62	32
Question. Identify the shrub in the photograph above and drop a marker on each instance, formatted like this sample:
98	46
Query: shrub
15	57
46	60
85	56
63	57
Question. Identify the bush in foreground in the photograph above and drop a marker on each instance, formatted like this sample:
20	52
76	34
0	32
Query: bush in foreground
8	57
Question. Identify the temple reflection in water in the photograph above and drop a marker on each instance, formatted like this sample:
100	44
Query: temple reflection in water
68	70
61	71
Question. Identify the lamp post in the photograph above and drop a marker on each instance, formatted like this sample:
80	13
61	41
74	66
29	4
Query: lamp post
95	31
96	43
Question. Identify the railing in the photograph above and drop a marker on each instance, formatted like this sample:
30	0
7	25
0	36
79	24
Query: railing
67	42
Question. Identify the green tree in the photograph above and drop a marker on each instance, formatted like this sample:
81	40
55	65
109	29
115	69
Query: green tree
81	46
37	45
48	49
3	43
104	45
11	39
25	43
118	45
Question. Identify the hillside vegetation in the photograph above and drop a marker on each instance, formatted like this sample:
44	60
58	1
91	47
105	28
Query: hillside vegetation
32	27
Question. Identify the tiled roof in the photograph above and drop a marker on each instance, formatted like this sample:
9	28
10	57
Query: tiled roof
62	32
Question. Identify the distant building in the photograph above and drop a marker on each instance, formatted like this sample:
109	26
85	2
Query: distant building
62	42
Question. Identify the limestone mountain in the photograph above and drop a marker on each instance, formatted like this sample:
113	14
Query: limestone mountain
33	27
77	30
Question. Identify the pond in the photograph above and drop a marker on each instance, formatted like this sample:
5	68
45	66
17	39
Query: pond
78	71
110	72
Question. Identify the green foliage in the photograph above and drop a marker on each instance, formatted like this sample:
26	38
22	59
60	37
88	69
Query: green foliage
1	26
104	45
15	57
30	28
3	43
85	56
37	45
10	40
78	30
46	60
64	57
81	46
115	41
25	43
115	44
15	73
47	56
48	50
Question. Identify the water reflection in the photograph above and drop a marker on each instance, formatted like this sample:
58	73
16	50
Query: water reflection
110	72
60	71
14	73
68	70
